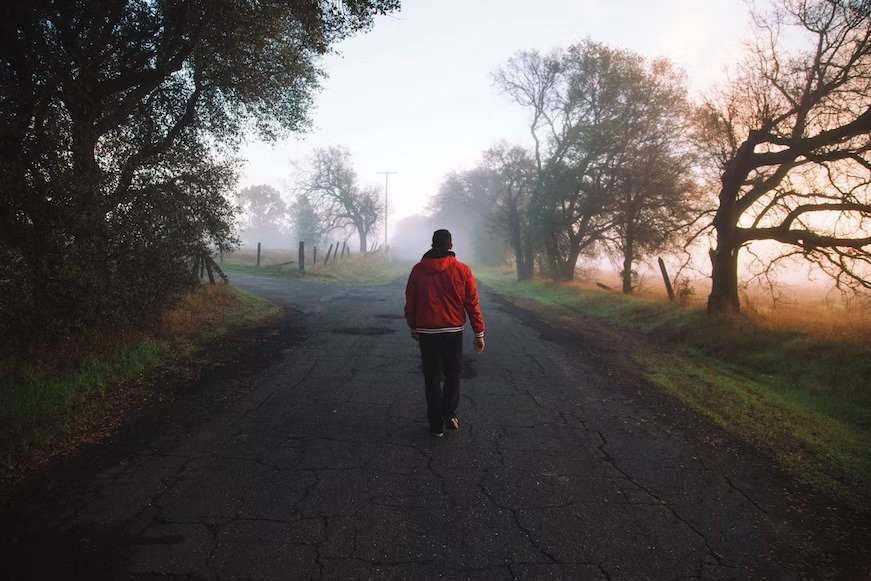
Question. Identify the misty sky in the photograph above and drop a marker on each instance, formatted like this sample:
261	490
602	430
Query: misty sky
414	95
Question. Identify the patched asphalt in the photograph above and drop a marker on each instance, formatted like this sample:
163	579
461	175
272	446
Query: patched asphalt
318	465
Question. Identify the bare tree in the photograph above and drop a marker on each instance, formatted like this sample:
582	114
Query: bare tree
331	184
790	137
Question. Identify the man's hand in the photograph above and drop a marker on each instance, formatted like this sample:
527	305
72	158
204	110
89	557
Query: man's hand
415	335
479	344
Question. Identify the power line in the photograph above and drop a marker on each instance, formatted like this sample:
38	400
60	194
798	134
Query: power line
386	178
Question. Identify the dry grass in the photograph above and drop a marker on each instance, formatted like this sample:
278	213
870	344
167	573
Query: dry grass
208	306
842	321
354	269
815	310
268	256
77	390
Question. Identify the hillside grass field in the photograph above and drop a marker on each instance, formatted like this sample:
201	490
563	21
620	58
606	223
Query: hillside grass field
800	391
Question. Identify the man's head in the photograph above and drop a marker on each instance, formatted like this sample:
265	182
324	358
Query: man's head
441	239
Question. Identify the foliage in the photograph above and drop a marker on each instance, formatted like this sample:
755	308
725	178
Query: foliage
464	205
116	120
306	222
264	216
513	171
790	139
656	193
607	165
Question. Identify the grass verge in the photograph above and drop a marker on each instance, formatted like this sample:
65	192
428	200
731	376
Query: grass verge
805	399
76	391
354	270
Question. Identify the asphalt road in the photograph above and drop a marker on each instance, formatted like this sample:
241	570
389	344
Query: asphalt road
319	464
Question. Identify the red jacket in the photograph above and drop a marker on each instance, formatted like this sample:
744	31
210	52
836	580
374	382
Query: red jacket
439	293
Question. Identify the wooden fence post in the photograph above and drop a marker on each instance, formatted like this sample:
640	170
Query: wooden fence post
218	269
208	262
666	280
302	257
330	251
258	255
315	256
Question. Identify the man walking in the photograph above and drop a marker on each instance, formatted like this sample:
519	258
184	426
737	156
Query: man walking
440	292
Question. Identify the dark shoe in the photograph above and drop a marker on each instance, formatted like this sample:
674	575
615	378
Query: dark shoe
436	429
453	423
437	434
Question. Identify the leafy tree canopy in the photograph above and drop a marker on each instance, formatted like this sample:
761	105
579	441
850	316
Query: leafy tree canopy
116	121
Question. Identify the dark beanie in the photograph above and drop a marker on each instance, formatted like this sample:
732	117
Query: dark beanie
441	239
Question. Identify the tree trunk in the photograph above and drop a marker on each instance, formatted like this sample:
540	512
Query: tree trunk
628	253
567	266
554	260
627	273
363	242
723	299
522	258
527	258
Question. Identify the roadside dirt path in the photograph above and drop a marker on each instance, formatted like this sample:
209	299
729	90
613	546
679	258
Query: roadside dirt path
317	464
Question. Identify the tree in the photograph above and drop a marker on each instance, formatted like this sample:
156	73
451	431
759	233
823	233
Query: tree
513	173
464	205
116	121
587	105
656	192
265	215
790	140
306	222
331	182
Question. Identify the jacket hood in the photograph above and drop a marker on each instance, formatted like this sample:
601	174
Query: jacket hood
437	260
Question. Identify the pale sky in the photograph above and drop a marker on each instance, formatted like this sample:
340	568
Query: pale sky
414	95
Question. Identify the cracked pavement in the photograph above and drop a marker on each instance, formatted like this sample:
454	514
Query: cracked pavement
321	467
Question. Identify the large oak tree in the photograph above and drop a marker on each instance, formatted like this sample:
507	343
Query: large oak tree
791	138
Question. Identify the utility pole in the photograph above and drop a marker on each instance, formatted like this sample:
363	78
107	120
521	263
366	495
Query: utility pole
386	177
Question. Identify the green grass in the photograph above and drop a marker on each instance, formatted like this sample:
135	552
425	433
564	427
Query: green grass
805	399
43	402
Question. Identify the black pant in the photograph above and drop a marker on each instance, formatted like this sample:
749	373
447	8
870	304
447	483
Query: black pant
442	355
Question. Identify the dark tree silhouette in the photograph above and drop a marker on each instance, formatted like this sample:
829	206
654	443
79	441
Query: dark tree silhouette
790	139
116	119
